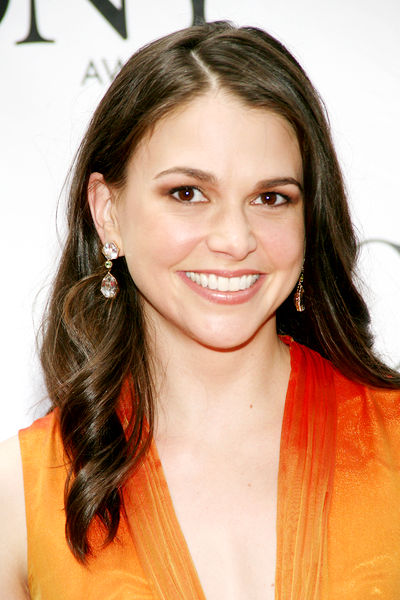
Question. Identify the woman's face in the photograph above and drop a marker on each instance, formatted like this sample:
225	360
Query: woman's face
211	220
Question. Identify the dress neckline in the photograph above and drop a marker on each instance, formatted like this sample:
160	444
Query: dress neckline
161	544
304	486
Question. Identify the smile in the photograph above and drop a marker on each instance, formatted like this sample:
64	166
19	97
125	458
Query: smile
212	281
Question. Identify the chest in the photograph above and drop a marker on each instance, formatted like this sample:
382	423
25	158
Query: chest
226	509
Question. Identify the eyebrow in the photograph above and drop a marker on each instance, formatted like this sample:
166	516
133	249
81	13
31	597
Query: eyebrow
191	172
277	181
208	177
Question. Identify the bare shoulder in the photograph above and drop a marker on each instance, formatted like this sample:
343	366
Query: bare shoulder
13	544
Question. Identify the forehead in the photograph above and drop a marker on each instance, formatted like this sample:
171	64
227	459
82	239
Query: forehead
218	131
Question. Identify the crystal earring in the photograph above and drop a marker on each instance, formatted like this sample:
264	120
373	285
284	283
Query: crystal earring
299	294
109	285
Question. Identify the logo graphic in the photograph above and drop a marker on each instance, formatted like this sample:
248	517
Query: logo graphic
379	241
392	246
3	8
198	12
116	17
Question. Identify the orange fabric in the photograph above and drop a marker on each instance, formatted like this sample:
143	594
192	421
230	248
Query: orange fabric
338	525
53	572
363	549
306	468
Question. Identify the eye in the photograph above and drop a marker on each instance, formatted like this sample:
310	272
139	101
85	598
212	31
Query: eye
271	199
187	193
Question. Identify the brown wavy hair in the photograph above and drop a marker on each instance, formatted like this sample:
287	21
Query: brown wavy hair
92	345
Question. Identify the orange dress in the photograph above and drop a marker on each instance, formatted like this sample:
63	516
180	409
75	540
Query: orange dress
338	522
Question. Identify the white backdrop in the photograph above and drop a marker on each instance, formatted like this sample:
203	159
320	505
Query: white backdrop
351	51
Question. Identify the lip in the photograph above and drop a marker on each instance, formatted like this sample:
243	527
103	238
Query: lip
229	298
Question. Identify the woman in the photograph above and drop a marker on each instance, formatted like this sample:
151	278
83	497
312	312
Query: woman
208	180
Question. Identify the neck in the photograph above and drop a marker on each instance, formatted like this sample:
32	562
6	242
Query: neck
201	390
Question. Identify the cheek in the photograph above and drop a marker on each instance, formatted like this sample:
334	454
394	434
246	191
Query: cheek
159	242
284	245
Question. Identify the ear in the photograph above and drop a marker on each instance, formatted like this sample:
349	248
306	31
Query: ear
102	206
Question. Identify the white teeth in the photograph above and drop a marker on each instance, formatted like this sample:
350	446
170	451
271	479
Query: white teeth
203	280
222	284
212	281
234	283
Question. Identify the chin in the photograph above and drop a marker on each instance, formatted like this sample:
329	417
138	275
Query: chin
227	339
227	347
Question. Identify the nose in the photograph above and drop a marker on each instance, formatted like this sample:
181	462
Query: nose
231	233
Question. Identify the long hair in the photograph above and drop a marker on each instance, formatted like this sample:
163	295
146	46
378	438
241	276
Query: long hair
92	346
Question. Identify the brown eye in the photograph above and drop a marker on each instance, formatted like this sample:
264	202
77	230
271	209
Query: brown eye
271	199
187	194
268	198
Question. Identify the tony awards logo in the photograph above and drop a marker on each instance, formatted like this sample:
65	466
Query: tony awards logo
116	18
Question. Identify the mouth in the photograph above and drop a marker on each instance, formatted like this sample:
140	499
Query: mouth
219	283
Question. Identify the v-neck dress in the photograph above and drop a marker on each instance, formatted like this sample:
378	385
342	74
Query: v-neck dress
338	513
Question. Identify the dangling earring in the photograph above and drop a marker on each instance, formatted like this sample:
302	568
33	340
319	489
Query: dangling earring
299	294
109	285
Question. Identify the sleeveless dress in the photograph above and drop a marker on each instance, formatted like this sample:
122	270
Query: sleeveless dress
338	514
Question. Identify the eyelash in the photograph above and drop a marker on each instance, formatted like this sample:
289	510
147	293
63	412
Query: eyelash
191	188
287	199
